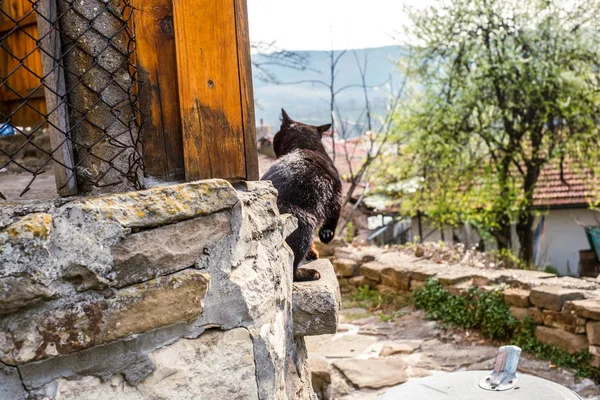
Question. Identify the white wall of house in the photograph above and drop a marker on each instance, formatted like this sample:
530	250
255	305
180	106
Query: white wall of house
564	237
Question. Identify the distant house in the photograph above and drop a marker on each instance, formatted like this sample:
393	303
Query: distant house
559	228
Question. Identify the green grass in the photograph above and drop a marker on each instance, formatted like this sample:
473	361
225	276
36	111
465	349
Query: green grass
387	306
486	311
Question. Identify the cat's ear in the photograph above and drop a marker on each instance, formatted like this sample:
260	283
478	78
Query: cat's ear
323	128
285	118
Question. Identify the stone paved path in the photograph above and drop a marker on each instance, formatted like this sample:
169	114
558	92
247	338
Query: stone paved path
368	356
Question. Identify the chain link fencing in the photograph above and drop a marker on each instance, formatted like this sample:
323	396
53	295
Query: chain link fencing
69	94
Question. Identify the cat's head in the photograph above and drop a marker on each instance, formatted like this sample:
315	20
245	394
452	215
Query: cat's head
295	135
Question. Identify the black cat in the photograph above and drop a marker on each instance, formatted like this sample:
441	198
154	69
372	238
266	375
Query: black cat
309	188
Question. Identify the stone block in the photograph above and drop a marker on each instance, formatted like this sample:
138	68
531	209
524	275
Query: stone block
215	364
460	288
416	285
589	308
535	314
127	357
593	332
154	304
348	253
316	304
553	297
595	361
454	275
143	256
394	348
31	226
361	281
517	297
372	270
567	341
344	285
320	377
486	277
522	279
422	272
568	282
344	346
161	205
11	387
594	351
523	275
19	292
346	268
324	250
564	320
391	276
373	373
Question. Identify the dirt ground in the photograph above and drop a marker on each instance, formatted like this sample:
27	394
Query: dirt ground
12	184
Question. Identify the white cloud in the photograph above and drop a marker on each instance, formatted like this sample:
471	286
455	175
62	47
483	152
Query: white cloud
321	24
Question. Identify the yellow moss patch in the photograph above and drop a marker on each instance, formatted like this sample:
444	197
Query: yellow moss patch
162	205
37	225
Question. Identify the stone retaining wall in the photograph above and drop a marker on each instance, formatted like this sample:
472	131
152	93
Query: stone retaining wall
566	310
173	292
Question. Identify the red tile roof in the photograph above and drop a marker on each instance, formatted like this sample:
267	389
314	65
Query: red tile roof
551	191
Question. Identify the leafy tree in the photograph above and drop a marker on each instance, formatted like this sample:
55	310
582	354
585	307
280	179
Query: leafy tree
502	88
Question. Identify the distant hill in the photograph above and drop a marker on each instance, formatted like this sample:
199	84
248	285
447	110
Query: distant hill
310	103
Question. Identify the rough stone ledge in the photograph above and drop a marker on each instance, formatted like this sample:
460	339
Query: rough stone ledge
161	205
553	297
564	340
136	309
316	304
585	308
128	357
11	211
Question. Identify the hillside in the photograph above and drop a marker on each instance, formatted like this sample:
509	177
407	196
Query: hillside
310	103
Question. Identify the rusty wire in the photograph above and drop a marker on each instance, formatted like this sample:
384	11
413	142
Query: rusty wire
105	77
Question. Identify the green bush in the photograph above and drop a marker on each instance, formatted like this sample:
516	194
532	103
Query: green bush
487	311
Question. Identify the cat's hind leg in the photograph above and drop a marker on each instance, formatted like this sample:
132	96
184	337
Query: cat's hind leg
300	242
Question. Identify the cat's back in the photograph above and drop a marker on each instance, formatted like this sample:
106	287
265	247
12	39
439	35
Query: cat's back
304	174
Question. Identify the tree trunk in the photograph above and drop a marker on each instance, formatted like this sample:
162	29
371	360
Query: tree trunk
526	217
503	233
525	234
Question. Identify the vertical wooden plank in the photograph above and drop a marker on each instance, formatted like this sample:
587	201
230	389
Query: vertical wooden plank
22	45
209	89
159	96
58	117
246	90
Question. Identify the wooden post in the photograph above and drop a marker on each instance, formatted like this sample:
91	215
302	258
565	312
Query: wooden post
101	114
58	119
159	96
215	89
246	89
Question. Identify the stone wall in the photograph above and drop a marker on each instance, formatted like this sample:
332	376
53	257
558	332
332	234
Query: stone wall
178	292
566	310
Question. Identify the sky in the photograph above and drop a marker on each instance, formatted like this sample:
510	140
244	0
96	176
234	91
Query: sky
323	24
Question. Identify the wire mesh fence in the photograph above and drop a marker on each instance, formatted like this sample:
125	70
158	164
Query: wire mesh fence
69	94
